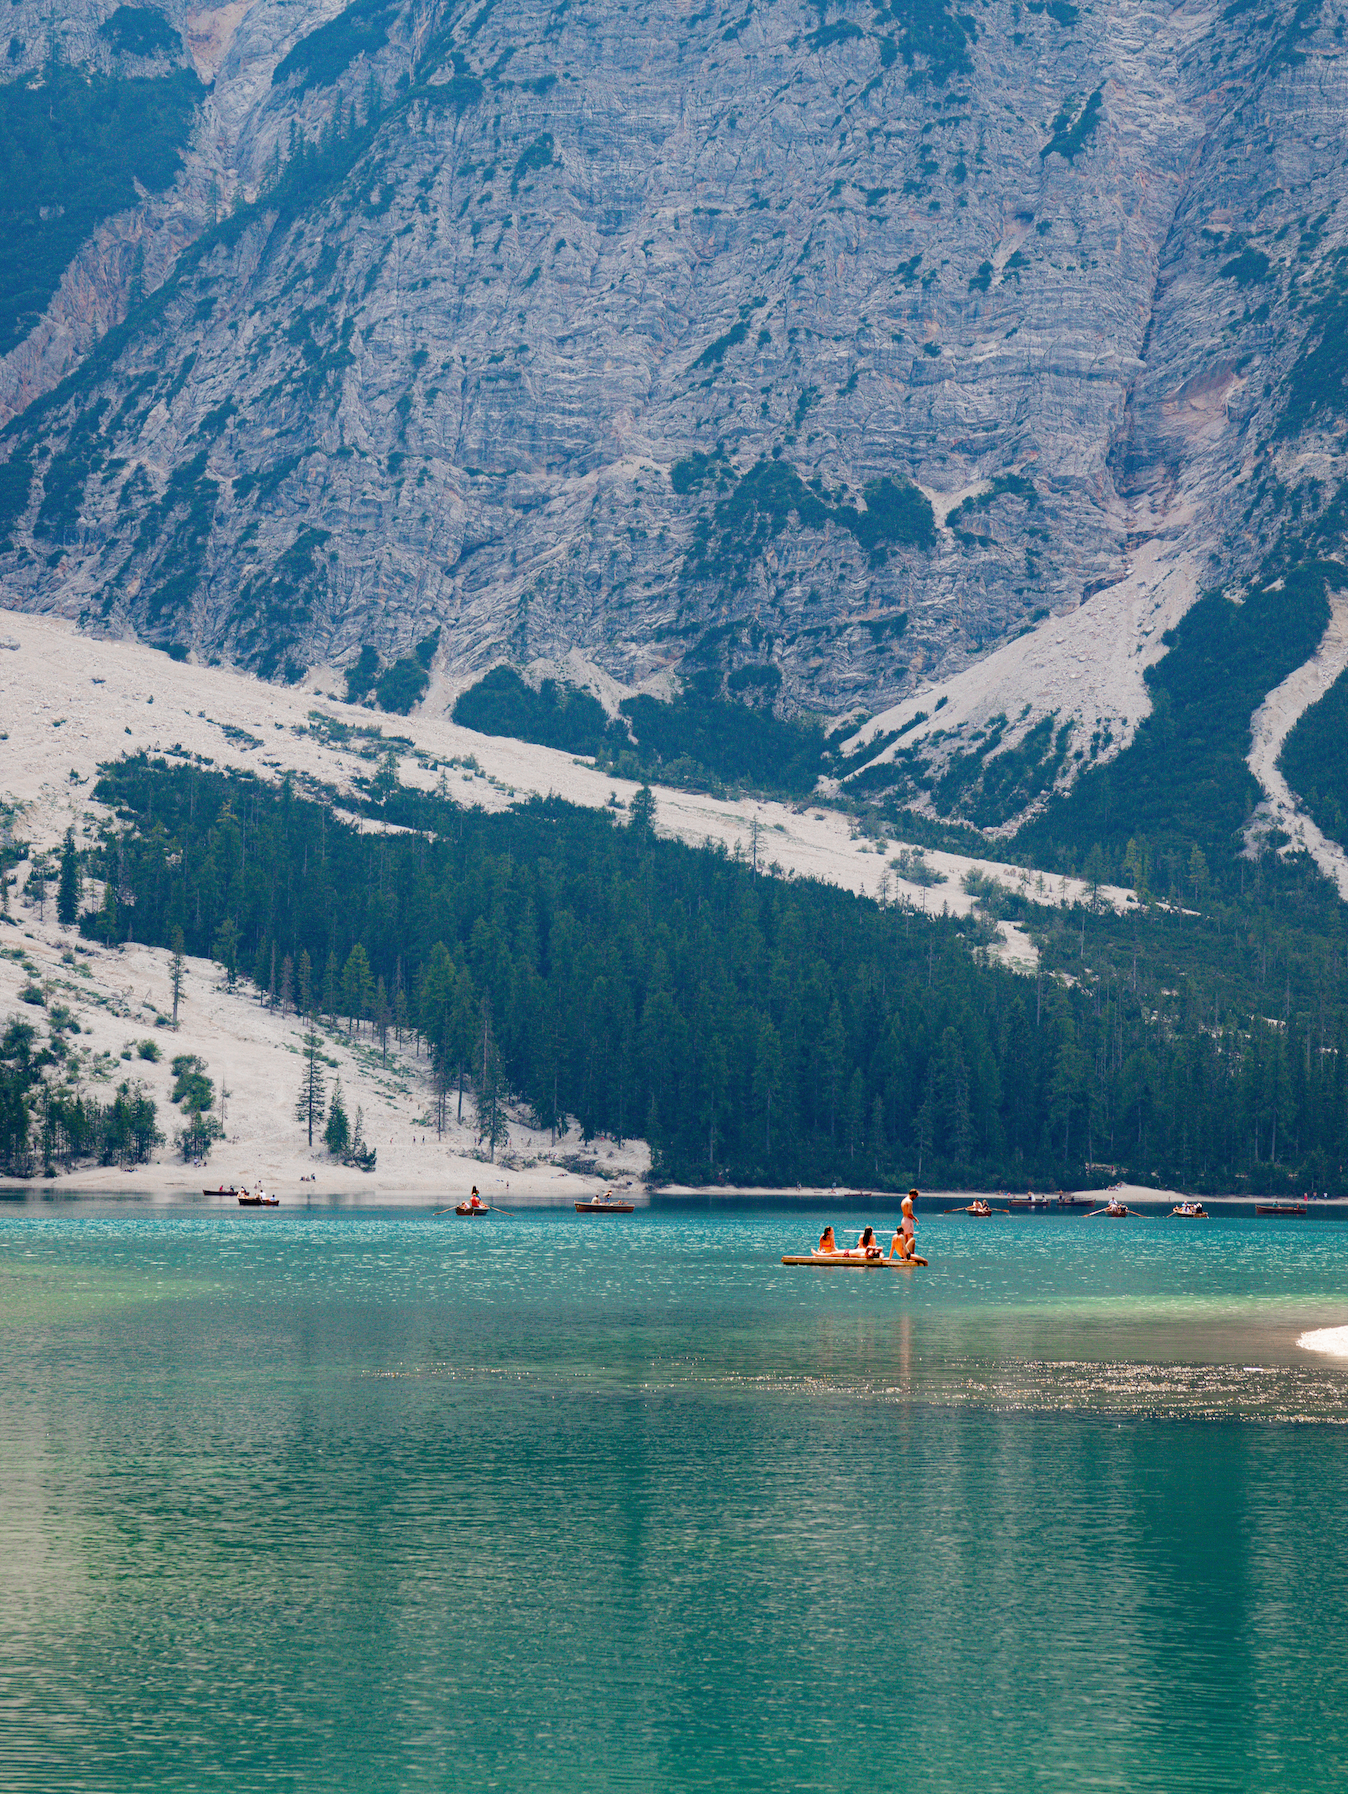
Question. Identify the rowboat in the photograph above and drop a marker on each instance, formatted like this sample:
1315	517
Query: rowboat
597	1207
261	1200
1280	1208
1193	1211
468	1208
222	1191
840	1263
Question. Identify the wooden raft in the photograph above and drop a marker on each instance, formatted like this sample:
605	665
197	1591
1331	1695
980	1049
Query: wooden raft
856	1264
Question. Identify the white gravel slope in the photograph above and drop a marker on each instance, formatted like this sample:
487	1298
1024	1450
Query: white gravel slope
253	1052
70	702
1086	666
1270	726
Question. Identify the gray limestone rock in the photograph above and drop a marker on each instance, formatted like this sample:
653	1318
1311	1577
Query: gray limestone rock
597	328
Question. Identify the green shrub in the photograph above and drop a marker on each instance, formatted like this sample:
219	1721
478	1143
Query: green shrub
140	31
714	353
400	686
1070	135
361	677
73	148
1246	269
557	716
533	160
928	29
324	56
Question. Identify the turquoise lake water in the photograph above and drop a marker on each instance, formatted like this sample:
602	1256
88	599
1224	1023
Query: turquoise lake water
363	1501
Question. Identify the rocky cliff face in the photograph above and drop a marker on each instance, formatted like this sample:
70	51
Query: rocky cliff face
857	342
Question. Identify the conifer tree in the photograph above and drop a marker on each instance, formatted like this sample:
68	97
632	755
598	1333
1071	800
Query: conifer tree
332	988
225	949
107	913
68	890
337	1134
357	985
491	1122
176	973
380	1015
37	885
309	1102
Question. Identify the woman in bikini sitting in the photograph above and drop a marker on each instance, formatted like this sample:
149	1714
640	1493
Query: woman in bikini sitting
827	1244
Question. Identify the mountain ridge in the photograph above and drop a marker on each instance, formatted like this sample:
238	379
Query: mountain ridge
497	274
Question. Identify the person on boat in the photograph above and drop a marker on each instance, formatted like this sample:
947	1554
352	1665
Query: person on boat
979	1207
475	1201
904	1243
827	1242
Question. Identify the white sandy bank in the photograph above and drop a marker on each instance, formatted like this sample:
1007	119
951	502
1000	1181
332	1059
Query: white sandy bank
254	1053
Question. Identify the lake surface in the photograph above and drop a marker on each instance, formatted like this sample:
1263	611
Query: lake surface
312	1500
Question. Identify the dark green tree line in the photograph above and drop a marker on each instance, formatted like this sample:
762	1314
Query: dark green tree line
766	1029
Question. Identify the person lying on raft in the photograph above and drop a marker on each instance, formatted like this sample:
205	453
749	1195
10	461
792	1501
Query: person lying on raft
867	1246
904	1243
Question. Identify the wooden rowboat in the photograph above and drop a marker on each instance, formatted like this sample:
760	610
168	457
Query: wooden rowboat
1280	1208
246	1201
222	1191
594	1207
466	1208
823	1262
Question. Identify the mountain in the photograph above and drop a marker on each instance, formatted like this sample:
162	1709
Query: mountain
850	360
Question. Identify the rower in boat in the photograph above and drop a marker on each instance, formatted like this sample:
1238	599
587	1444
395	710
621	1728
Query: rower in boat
979	1207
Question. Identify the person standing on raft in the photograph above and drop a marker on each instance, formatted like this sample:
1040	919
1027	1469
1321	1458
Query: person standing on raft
904	1243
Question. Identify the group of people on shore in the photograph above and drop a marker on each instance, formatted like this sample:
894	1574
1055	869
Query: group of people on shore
903	1245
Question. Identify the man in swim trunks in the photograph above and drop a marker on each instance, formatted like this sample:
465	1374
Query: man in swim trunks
904	1243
